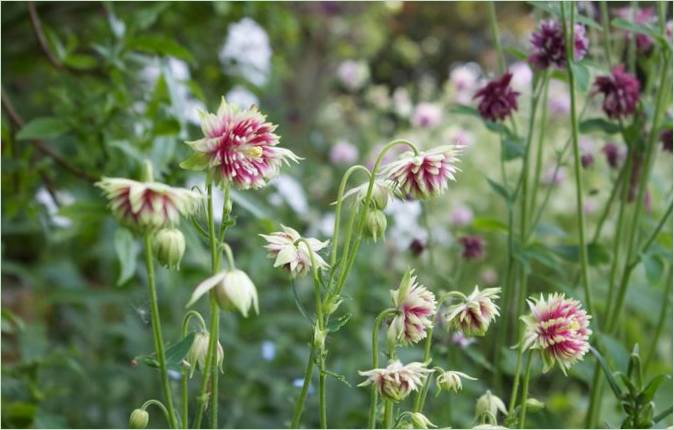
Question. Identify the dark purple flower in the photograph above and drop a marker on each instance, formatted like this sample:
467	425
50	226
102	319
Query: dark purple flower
614	155
499	100
587	160
417	246
473	247
621	92
549	48
666	139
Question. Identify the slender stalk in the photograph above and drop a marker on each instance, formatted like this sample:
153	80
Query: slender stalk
372	417
539	149
299	405
606	33
158	404
388	414
156	331
516	381
525	391
666	291
186	321
493	26
419	400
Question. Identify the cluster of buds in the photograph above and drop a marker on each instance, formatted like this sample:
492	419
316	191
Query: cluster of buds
169	247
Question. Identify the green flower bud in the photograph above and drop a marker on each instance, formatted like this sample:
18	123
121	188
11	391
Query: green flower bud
376	224
380	194
169	247
196	356
139	419
534	405
420	421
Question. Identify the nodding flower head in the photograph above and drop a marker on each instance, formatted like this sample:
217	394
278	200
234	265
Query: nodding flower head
240	146
425	174
560	328
450	380
233	290
293	254
549	47
148	206
196	356
487	408
621	92
475	312
396	381
498	99
416	307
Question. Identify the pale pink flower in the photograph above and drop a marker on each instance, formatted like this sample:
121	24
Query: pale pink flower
240	146
459	339
395	381
463	81
343	152
423	175
553	175
427	115
459	137
353	74
461	216
416	307
559	328
475	312
522	76
148	205
291	253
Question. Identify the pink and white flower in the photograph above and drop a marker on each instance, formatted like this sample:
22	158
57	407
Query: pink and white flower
293	254
240	146
416	307
475	312
396	381
560	328
148	205
427	115
423	175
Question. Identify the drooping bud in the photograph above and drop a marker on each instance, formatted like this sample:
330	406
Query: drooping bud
419	421
139	419
488	406
233	290
196	356
169	247
451	380
376	224
534	405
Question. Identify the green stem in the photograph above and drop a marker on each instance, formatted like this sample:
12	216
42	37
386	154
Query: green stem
388	414
516	381
666	291
525	391
156	331
186	322
493	26
539	149
606	33
299	405
158	404
372	417
419	400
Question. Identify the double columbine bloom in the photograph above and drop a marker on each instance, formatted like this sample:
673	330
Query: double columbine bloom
498	99
621	92
290	252
396	381
475	312
425	174
233	290
450	380
148	206
559	328
549	47
240	147
416	307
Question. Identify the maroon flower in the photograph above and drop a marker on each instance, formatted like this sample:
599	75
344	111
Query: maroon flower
473	247
549	47
614	155
587	160
666	139
621	92
499	100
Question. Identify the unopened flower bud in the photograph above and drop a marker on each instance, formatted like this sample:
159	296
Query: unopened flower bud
488	406
319	338
380	194
420	421
376	224
139	419
534	405
196	356
331	305
169	247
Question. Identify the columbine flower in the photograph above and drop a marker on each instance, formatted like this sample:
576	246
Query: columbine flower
450	380
169	247
473	247
420	421
620	90
148	205
586	150
291	253
463	80
614	154
396	382
240	146
381	193
475	312
559	328
233	289
499	100
549	47
423	175
196	356
522	76
416	306
666	139
488	406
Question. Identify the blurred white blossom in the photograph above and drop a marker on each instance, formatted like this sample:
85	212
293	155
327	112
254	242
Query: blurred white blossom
241	97
353	74
247	52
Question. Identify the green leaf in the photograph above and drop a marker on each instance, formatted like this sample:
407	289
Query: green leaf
42	128
465	110
607	372
500	189
196	161
512	147
161	45
127	250
487	224
582	19
648	393
81	61
497	127
517	53
582	75
549	7
176	352
654	267
166	127
338	323
598	124
597	254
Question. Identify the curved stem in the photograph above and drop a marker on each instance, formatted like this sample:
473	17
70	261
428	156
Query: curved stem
156	331
228	253
666	291
525	391
158	404
371	422
419	400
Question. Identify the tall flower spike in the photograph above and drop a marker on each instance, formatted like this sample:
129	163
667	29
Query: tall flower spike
559	328
416	307
395	381
233	290
291	253
148	205
621	92
475	312
549	47
499	100
240	146
423	175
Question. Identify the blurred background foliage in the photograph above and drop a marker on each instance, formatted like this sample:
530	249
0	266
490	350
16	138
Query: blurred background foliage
92	89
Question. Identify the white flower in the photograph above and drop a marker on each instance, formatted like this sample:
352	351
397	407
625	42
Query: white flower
233	289
488	406
247	52
353	74
450	380
196	356
241	97
291	253
395	381
419	421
